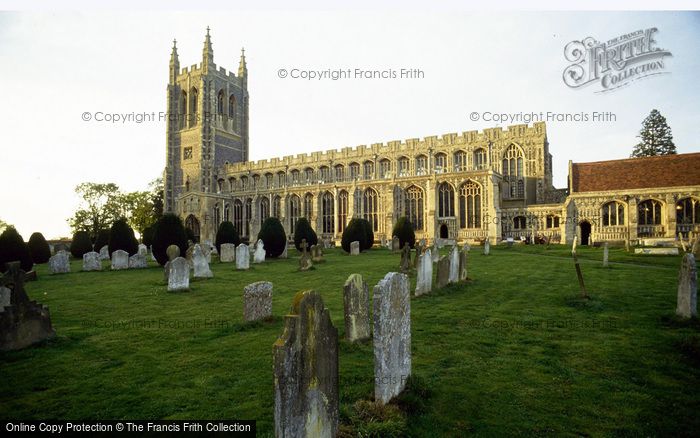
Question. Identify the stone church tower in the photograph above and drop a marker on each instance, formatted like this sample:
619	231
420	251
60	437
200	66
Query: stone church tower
207	126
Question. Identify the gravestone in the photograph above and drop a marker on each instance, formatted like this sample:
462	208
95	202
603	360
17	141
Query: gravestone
206	251
392	336
166	271
487	247
316	254
424	274
454	265
696	247
305	364
5	297
138	261
305	262
574	244
605	254
173	252
355	248
435	252
199	262
687	303
327	243
383	242
91	261
405	264
188	255
443	272
228	253
120	260
463	260
59	263
257	301
242	257
416	256
143	250
259	254
466	247
179	275
22	322
510	241
356	305
395	244
104	253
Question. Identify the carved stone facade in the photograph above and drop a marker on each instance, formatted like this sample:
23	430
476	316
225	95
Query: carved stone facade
468	187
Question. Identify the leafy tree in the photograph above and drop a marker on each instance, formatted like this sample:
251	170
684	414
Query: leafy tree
302	231
39	249
273	237
3	225
403	229
168	230
99	208
121	236
13	248
81	244
656	137
137	209
226	234
101	240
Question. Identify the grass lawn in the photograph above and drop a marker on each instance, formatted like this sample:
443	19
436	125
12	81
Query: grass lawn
511	352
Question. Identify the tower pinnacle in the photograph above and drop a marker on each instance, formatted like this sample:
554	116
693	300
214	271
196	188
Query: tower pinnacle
242	68
207	52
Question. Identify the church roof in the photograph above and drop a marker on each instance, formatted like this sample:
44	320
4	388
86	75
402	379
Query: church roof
636	173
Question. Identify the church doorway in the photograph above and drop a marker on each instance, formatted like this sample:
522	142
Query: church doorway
192	224
444	232
585	232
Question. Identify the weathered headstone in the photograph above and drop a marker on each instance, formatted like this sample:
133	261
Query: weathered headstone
91	261
392	336
173	252
138	261
574	244
199	261
463	260
356	305
435	251
327	243
143	249
59	263
355	248
424	274
417	254
605	254
443	272
22	322
166	271
316	254
395	244
104	253
179	275
696	247
228	253
242	257
305	363
454	265
257	301
120	260
305	262
466	247
5	297
206	251
188	256
259	254
405	264
487	247
687	303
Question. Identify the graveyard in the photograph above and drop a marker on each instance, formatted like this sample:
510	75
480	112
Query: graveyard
514	349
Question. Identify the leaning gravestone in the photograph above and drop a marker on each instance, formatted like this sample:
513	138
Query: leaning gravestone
259	255
392	336
242	257
91	261
395	244
687	303
22	322
605	254
355	248
59	263
138	261
179	275
463	259
424	274
257	301
454	265
443	272
356	305
228	253
305	262
199	262
173	252
305	364
120	260
104	253
405	264
143	249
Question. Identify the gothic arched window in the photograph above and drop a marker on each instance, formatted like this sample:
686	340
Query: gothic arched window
264	208
294	211
327	213
470	205
220	103
370	208
414	207
650	212
308	206
238	216
446	195
613	214
479	159
342	210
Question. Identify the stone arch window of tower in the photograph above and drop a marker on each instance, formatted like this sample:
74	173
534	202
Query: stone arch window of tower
513	172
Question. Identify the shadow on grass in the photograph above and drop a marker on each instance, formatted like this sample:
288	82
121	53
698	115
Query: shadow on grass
589	303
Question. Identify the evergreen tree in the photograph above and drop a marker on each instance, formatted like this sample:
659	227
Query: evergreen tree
121	236
81	244
13	248
168	230
101	240
226	234
656	138
403	229
39	248
303	230
273	237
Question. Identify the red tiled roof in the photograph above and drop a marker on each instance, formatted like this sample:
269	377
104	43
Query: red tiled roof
636	173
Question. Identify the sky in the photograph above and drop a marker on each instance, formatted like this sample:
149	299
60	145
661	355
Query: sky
56	66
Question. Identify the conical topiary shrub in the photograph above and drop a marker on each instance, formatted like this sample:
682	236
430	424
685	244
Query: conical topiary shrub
403	229
39	249
273	237
354	231
13	248
226	234
101	240
168	230
302	231
121	236
81	244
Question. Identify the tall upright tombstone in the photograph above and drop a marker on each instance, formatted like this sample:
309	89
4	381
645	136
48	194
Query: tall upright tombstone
179	275
392	336
305	365
257	301
356	306
435	251
355	248
120	260
687	302
59	263
454	265
443	272
199	262
463	260
242	257
228	253
424	274
91	261
487	246
259	254
606	254
405	264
